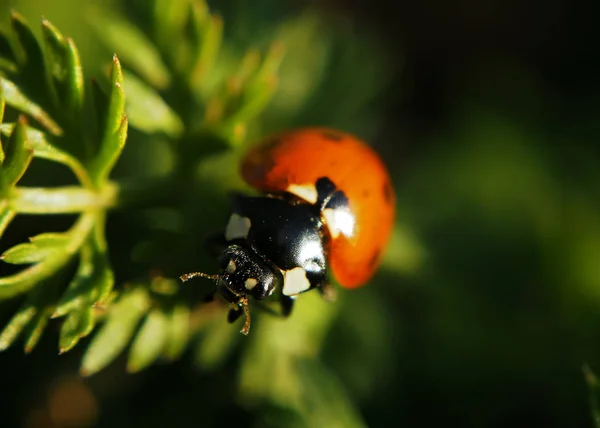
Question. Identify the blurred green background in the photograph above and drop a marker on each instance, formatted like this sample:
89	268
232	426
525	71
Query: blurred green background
488	302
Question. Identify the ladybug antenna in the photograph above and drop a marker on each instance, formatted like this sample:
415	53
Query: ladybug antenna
188	276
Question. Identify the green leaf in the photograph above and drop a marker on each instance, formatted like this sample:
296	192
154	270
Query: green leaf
114	131
36	328
133	46
2	105
208	30
16	98
147	111
150	341
16	325
31	59
55	50
60	200
41	247
122	320
17	154
217	341
8	60
78	324
91	284
178	331
169	19
44	147
6	216
25	279
66	71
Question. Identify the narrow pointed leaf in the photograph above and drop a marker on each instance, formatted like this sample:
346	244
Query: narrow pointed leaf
75	81
38	249
217	341
133	47
8	60
6	216
18	154
77	325
36	327
57	55
210	35
113	337
2	104
25	279
147	111
114	132
42	145
178	331
91	284
110	152
149	342
169	19
33	59
16	325
16	98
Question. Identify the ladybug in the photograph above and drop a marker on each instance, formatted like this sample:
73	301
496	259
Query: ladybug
326	203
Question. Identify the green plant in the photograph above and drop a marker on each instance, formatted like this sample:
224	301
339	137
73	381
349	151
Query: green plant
191	104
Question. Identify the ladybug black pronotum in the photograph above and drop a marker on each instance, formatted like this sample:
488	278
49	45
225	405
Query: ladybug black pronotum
327	203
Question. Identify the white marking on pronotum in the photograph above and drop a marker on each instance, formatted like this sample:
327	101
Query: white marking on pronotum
250	283
238	227
295	281
308	192
339	221
231	267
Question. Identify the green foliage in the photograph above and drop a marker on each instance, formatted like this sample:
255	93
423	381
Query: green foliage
196	99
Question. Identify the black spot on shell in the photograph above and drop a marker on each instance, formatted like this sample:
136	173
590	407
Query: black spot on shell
332	136
388	192
374	260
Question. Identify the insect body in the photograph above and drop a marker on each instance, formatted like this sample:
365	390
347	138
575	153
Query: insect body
327	203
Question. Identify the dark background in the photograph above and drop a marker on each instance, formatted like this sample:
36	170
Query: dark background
488	304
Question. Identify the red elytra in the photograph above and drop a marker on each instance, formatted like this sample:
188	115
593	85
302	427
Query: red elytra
300	158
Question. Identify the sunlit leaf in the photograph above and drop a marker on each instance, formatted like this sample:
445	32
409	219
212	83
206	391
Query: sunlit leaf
17	154
147	111
68	199
78	324
150	341
133	47
170	17
114	129
16	98
217	342
6	216
16	325
36	328
208	32
178	331
40	247
122	320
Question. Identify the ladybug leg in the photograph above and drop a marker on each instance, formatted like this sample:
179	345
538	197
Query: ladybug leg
328	291
287	304
234	314
215	244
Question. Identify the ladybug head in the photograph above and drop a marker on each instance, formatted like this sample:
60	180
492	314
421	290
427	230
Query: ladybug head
244	273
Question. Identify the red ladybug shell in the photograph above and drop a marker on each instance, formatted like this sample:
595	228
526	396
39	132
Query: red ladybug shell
300	157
